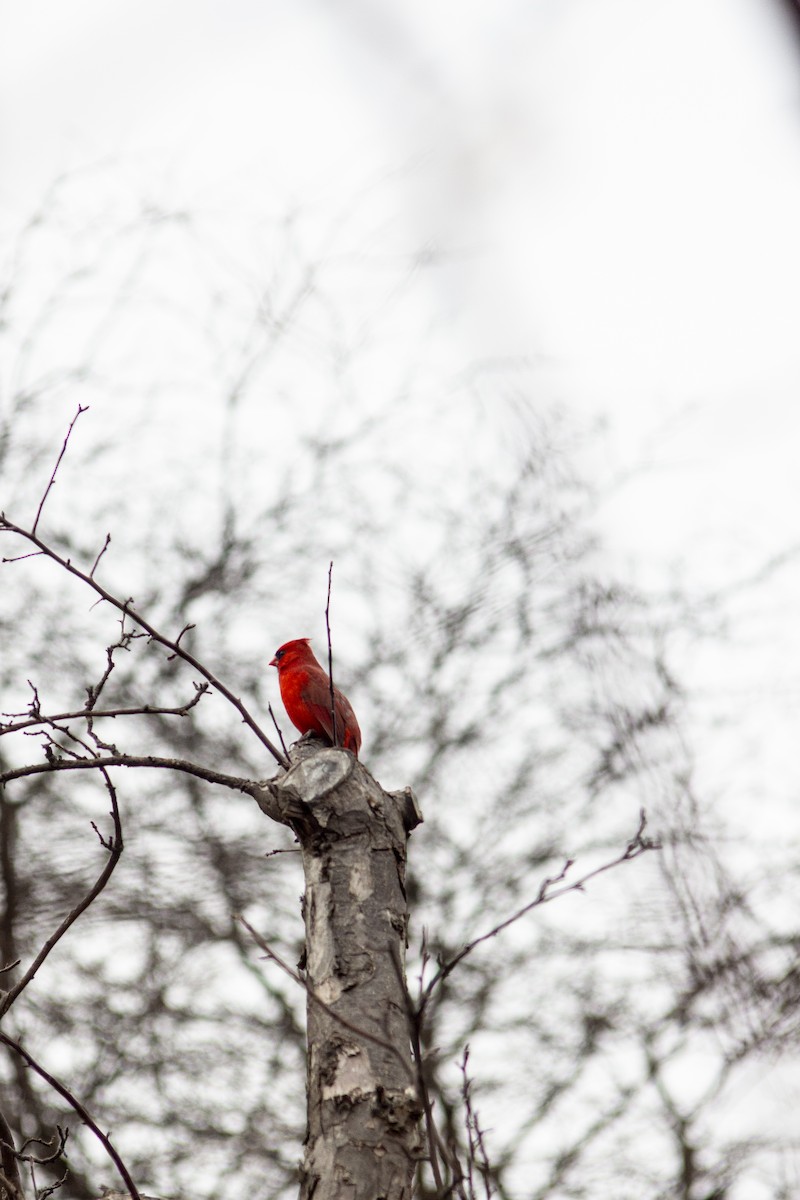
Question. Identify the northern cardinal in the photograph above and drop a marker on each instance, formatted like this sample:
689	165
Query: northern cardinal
306	694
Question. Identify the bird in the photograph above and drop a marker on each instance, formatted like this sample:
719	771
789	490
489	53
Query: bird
306	694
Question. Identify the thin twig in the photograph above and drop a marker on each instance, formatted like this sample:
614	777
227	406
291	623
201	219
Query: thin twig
35	707
476	1148
330	655
415	1034
125	607
81	409
82	1112
185	629
52	747
414	1017
465	1096
278	729
312	995
58	1140
22	557
95	690
639	844
106	544
54	1187
114	846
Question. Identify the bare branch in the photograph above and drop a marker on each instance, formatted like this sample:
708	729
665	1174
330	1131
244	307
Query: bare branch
125	607
76	1105
638	845
81	409
282	809
132	760
114	845
94	714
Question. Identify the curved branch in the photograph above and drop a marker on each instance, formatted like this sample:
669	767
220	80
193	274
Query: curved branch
124	606
114	845
82	1112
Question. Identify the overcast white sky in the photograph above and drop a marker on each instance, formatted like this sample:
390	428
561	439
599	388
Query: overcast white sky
614	184
621	178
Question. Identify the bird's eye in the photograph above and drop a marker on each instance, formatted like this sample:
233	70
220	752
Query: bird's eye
279	653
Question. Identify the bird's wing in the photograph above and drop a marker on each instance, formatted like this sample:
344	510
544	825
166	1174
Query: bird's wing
316	693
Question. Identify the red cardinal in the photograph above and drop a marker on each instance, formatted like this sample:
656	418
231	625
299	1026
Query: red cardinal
306	694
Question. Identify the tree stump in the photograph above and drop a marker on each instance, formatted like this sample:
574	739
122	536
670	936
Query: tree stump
364	1139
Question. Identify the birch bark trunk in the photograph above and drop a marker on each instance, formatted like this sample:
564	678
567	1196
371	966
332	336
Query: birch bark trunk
364	1139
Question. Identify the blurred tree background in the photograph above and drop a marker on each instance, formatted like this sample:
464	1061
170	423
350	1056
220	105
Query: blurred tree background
248	423
354	286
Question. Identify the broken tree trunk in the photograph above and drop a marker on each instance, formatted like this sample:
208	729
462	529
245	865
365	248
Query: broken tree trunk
363	1140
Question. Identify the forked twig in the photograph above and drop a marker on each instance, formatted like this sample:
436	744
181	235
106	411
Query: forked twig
56	1145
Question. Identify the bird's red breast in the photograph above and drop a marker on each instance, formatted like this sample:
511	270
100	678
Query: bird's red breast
306	694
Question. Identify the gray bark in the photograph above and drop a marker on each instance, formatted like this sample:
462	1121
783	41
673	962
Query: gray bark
363	1140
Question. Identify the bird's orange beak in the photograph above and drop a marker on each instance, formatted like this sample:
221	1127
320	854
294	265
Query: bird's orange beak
273	662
